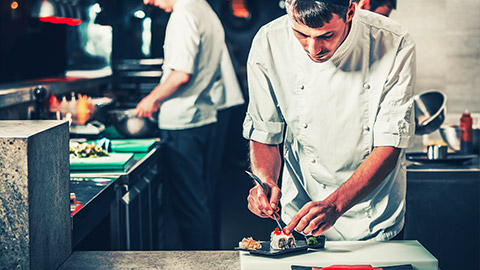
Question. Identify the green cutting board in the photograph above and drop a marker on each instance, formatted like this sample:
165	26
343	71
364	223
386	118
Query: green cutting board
132	145
112	162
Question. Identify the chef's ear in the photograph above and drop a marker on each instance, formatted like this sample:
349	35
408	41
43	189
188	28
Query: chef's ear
350	13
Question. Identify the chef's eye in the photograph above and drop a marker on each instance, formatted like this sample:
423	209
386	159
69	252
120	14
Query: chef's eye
326	36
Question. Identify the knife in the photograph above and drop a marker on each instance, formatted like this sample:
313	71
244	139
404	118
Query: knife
264	192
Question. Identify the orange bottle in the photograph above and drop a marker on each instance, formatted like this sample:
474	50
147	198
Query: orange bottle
83	110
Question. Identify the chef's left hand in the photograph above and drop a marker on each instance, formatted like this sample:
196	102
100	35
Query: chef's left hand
314	218
147	106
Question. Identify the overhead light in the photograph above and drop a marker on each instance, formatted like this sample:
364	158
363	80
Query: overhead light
44	8
14	5
52	11
140	14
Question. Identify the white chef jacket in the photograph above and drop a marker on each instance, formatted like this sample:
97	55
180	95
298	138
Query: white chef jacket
194	41
330	116
227	91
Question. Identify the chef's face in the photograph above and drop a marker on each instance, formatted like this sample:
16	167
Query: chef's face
321	43
166	5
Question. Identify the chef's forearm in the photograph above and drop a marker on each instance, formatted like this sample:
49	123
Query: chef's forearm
365	179
265	161
173	82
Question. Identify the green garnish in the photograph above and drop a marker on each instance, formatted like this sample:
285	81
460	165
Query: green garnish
312	240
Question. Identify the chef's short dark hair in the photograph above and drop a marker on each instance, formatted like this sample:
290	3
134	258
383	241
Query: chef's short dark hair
315	14
374	4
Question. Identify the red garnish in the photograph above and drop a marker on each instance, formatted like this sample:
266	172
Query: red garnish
287	234
277	231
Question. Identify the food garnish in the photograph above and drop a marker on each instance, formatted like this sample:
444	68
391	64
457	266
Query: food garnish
312	240
249	243
87	150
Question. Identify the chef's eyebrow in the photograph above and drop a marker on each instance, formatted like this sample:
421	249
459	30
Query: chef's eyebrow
320	36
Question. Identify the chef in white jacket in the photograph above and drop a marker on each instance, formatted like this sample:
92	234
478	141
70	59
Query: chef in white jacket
186	101
334	85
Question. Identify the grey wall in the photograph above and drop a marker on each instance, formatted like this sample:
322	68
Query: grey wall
447	34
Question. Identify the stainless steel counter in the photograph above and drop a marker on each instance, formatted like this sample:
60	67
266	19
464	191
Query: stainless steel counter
22	92
126	198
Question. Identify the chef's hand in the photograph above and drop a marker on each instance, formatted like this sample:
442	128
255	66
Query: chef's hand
260	204
147	106
314	218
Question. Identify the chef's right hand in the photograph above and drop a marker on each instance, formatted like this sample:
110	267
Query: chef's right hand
260	204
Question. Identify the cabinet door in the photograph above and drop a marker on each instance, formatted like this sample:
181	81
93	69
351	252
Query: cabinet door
137	218
443	215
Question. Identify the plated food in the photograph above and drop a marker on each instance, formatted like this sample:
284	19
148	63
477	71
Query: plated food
87	150
249	243
281	240
315	240
281	244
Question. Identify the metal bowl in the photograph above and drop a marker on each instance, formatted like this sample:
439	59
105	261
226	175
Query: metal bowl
128	124
451	136
430	109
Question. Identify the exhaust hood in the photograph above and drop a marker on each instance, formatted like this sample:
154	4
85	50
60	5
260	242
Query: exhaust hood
58	11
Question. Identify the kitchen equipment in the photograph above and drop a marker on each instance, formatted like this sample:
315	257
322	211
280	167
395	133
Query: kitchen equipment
451	136
451	159
264	191
301	246
113	162
430	108
133	79
128	124
132	145
375	253
436	151
91	129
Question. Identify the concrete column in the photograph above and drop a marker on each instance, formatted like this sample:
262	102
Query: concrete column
34	194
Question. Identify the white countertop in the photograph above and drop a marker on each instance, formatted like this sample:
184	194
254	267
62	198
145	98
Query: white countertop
377	254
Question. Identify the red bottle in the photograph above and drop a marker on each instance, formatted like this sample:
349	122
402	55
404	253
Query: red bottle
466	133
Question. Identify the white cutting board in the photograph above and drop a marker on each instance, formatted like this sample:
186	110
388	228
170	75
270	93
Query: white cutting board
377	254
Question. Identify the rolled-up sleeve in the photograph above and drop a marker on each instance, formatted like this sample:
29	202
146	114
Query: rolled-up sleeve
395	123
264	122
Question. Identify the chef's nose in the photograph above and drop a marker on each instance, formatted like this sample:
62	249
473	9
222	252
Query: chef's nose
314	46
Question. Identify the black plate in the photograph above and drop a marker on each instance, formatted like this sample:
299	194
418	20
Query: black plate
301	246
450	159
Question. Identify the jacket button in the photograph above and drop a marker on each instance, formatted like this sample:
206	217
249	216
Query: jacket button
366	86
302	87
305	125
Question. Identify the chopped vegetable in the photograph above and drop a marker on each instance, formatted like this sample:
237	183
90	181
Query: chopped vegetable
87	150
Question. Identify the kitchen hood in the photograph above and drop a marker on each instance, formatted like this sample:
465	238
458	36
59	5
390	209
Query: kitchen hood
58	11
